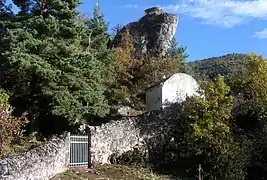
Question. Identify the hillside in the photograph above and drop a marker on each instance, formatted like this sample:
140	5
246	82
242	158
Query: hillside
227	65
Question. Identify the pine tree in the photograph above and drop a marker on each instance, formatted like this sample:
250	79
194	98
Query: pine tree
97	30
5	9
115	30
5	15
179	53
2	7
49	68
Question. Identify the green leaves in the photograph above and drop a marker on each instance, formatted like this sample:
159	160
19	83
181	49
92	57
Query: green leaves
47	60
210	116
4	100
257	78
209	138
230	65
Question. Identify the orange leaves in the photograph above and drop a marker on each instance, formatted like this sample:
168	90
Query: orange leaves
10	126
125	62
138	74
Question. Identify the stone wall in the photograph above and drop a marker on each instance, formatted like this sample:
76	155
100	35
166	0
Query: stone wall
118	137
40	163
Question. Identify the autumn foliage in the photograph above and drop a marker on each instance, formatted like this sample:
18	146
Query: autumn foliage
125	61
135	75
10	126
154	70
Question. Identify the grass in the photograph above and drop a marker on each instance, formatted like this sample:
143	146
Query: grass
110	172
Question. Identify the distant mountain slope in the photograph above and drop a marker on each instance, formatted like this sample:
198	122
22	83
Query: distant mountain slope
227	65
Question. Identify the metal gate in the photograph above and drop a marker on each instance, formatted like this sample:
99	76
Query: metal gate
79	153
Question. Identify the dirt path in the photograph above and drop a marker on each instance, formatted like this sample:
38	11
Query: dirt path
110	172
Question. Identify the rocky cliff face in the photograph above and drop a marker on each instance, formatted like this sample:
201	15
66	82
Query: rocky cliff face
151	35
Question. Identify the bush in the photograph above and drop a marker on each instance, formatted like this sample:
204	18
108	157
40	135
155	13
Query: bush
203	136
10	126
139	156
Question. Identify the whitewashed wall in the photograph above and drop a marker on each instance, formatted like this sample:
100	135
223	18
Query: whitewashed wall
178	87
174	89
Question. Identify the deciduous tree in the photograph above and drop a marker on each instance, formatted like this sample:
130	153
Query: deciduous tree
10	126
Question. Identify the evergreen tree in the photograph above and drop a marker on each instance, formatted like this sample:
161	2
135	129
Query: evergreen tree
178	52
49	68
5	9
5	14
2	7
115	30
97	30
96	41
24	5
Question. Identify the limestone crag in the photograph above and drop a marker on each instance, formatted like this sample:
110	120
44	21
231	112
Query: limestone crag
152	34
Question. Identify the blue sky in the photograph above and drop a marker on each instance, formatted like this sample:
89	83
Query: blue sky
207	27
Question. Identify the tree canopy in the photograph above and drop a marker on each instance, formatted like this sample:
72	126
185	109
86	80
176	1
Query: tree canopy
56	65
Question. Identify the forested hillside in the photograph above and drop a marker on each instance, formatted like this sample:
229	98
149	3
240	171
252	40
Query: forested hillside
228	65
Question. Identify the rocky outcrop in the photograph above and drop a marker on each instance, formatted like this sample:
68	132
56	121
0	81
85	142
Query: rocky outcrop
40	163
152	34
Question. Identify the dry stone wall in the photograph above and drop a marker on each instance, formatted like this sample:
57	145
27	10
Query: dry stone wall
40	163
117	137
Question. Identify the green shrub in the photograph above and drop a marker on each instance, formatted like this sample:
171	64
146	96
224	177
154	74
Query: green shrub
4	99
